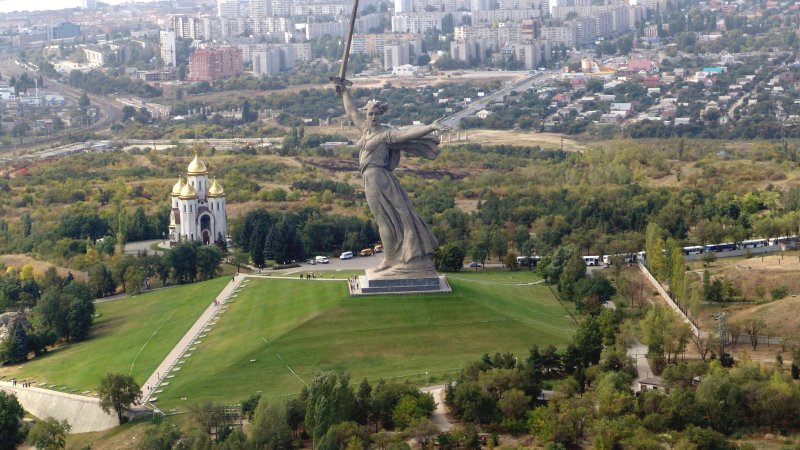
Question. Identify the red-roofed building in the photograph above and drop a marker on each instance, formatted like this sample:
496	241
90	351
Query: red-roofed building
651	82
635	65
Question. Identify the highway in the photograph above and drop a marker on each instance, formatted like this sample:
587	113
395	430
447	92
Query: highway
520	84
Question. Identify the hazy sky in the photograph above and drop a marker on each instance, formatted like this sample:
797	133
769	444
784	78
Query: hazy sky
40	5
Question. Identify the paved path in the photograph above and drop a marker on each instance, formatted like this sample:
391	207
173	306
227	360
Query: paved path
638	352
133	248
163	369
439	416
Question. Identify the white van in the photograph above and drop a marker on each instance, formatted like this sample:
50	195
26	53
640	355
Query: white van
346	255
322	260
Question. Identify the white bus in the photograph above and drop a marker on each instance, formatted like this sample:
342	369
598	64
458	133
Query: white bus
591	260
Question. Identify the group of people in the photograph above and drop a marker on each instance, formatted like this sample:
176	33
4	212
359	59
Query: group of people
353	283
310	275
25	384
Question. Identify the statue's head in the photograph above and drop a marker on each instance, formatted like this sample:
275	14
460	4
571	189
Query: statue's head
373	110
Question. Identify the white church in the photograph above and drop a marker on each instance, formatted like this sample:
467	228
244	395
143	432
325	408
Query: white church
198	208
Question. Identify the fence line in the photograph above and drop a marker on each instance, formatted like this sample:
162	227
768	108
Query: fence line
663	293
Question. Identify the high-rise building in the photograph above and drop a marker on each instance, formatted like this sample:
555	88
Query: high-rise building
281	8
187	27
89	4
215	64
168	50
258	12
227	9
403	6
63	30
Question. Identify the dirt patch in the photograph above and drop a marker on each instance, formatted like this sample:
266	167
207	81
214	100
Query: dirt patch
350	165
757	276
39	267
467	205
519	138
779	316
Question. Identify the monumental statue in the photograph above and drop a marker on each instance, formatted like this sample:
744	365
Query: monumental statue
408	242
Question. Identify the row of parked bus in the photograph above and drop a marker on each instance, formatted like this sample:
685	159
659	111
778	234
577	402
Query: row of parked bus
606	260
731	246
696	250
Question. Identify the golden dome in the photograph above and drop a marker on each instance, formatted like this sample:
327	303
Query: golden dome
196	167
215	190
176	190
188	192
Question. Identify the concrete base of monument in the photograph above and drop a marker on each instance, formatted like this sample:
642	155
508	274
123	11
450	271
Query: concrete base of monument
365	285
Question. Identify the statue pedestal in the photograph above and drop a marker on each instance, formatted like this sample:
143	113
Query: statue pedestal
366	285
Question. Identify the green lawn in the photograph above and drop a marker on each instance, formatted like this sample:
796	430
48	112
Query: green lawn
131	335
278	333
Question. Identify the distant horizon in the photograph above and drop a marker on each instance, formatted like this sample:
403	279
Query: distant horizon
7	6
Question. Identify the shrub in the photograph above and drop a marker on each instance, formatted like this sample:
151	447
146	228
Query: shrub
779	292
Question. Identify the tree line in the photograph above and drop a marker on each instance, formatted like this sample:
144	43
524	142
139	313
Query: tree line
263	235
61	310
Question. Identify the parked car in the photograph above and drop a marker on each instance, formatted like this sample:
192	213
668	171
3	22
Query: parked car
378	248
311	261
346	255
322	260
475	264
365	252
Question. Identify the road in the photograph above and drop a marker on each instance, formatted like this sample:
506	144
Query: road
108	110
519	85
439	416
638	352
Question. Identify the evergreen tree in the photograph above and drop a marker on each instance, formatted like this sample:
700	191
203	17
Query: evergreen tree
16	345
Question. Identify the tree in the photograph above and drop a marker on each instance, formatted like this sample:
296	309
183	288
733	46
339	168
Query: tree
510	261
183	261
330	401
101	280
52	309
424	431
270	427
283	242
49	434
79	318
448	258
118	391
514	404
406	411
134	277
165	437
753	326
363	412
209	258
15	348
209	416
11	414
84	103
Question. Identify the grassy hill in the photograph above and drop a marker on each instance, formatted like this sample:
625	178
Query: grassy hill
278	333
131	335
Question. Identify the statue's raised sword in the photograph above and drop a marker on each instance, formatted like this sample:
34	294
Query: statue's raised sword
341	81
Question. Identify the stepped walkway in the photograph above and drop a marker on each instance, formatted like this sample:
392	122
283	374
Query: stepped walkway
150	388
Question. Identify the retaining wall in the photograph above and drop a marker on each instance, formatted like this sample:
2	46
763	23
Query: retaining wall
663	293
83	413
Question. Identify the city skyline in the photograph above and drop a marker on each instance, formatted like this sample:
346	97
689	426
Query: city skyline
7	6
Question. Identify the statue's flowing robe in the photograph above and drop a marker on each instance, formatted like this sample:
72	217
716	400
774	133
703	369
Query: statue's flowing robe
404	235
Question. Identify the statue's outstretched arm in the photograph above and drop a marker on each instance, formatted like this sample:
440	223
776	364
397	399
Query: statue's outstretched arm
420	131
351	109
